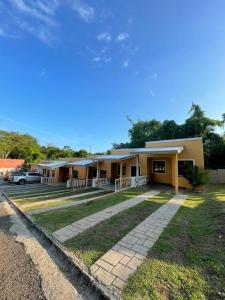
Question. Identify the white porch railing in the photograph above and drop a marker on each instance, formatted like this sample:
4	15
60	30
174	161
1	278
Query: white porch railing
123	183
128	182
100	182
48	180
142	180
76	184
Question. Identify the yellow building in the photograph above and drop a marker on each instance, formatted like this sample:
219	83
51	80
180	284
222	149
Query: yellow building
159	162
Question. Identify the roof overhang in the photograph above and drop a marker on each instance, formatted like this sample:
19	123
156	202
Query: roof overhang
159	150
82	163
54	164
114	157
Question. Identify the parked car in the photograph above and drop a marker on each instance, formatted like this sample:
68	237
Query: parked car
7	175
25	177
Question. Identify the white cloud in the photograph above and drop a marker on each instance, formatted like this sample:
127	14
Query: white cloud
104	36
125	63
107	59
153	76
122	36
43	73
33	10
85	11
152	93
97	59
38	17
104	49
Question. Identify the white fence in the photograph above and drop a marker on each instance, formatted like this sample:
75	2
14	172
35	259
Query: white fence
128	182
217	176
123	183
77	184
100	182
48	180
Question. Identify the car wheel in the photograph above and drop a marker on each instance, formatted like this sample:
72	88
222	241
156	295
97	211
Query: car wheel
22	181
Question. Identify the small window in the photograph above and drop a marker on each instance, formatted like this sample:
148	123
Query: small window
184	166
53	173
159	166
75	174
133	171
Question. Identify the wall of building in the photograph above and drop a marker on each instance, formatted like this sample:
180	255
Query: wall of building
193	150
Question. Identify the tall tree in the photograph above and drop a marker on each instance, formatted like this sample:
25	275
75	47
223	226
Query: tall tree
198	124
143	131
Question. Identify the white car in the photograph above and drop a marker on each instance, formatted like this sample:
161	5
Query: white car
24	177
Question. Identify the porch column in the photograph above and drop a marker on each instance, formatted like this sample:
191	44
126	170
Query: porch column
121	170
87	175
176	174
137	169
97	170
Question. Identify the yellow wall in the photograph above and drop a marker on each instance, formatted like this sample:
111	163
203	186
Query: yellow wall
193	150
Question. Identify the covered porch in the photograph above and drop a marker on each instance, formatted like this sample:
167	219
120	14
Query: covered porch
115	172
160	165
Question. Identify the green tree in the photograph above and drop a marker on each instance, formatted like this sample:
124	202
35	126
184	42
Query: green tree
7	143
143	131
198	124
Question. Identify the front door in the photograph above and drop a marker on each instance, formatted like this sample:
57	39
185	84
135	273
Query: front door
114	171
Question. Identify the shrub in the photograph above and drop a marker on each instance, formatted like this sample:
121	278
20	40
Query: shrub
196	176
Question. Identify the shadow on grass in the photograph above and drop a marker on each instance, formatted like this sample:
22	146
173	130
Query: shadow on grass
188	261
91	244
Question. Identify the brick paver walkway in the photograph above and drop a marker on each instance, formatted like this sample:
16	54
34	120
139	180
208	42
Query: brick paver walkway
75	228
116	265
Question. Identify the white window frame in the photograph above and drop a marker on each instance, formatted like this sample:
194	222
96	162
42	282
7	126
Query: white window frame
159	172
183	159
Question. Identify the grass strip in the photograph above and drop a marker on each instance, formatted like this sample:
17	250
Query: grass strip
34	191
54	220
52	196
91	244
38	193
61	202
188	260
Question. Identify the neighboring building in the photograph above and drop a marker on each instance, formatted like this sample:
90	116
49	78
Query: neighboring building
10	165
159	162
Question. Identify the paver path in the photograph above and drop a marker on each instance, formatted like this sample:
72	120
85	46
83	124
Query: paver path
75	228
116	265
55	207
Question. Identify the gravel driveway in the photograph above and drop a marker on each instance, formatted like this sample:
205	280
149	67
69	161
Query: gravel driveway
19	279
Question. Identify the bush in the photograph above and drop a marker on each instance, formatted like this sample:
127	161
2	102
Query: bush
196	176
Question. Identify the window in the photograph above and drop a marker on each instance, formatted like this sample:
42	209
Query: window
133	171
159	166
53	173
75	174
184	166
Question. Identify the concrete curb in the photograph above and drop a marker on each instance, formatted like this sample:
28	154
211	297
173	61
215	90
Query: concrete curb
75	266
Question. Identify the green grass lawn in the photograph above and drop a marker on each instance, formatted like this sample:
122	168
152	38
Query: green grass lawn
53	196
94	242
34	206
57	219
188	261
34	192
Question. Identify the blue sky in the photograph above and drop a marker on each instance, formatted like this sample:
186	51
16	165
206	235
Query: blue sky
72	70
